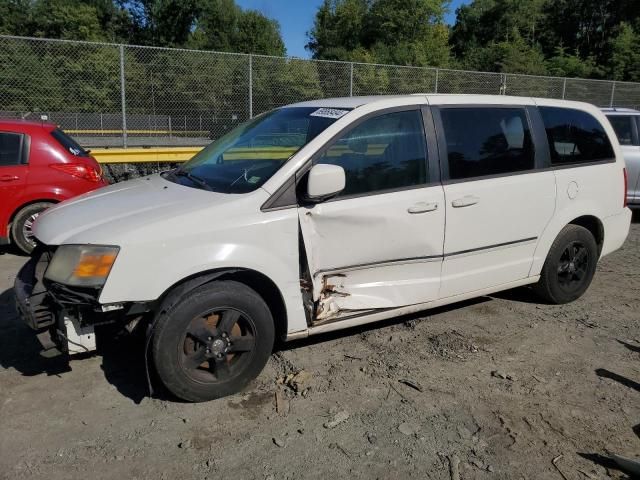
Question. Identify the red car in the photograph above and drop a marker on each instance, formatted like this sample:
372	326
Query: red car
40	165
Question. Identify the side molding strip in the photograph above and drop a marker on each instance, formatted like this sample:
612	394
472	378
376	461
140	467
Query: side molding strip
430	258
497	245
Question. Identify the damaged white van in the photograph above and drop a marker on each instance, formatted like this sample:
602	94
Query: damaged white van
328	214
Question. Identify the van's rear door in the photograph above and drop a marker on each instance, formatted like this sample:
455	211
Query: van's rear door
498	201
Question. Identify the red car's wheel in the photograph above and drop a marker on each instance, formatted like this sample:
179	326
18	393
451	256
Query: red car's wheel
21	227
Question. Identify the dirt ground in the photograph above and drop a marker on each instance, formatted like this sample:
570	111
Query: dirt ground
498	387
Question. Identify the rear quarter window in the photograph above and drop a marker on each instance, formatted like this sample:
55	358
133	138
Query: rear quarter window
68	143
623	126
10	149
575	136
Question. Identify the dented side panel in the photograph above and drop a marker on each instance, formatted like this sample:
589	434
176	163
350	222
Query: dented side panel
370	253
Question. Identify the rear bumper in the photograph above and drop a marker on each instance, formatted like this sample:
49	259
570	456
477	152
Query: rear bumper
4	241
616	230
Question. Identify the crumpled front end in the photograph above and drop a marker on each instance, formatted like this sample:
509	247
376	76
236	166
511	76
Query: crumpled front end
63	317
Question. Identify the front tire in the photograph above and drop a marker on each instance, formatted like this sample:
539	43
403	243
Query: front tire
21	227
213	341
569	267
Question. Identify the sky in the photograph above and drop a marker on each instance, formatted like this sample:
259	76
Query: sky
296	19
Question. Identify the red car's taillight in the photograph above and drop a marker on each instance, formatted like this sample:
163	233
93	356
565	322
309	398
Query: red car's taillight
626	187
79	170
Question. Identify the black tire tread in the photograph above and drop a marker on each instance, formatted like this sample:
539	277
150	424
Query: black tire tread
164	332
547	287
18	221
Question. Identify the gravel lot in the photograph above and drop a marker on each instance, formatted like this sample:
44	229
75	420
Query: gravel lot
498	387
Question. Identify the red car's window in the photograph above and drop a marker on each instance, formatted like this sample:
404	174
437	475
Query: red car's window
10	149
69	144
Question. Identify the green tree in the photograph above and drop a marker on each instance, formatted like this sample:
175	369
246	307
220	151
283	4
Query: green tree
14	15
337	30
625	59
585	26
258	34
405	32
163	22
65	19
223	26
563	37
563	64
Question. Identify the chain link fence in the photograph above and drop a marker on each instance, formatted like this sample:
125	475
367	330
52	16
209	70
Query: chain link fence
111	95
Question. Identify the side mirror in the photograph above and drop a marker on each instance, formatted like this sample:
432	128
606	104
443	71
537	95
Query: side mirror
324	181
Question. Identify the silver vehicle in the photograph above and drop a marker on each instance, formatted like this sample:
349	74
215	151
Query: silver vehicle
626	123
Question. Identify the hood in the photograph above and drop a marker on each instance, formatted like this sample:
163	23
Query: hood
117	213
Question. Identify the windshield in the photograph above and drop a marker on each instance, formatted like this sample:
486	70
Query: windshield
245	158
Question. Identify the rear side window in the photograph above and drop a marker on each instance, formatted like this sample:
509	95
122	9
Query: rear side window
382	153
623	126
69	144
485	141
10	149
575	136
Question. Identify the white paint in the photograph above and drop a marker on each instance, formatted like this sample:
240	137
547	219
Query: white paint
505	209
79	340
329	113
325	180
383	315
381	251
370	230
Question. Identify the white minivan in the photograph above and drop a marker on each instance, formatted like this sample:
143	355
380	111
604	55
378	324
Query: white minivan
327	214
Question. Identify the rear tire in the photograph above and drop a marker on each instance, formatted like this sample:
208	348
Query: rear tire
569	267
213	341
21	232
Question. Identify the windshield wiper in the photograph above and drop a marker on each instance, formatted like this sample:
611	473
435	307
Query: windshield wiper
196	180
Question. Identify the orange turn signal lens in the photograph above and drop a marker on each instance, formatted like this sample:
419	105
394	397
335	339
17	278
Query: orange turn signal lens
94	265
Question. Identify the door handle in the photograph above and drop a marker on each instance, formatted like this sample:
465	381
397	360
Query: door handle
465	201
8	178
423	207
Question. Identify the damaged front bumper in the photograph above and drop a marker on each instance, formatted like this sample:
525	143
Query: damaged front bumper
64	318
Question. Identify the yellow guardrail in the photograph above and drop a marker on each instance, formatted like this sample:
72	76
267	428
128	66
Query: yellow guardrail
144	155
182	154
155	133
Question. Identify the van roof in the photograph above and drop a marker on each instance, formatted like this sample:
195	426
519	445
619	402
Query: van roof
620	111
434	98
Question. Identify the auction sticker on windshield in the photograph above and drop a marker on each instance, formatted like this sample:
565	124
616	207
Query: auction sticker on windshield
329	113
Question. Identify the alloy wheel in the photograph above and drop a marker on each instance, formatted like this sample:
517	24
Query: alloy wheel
573	266
217	345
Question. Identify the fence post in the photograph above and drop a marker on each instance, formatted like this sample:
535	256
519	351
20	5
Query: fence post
564	88
351	80
503	84
250	86
613	93
437	78
123	98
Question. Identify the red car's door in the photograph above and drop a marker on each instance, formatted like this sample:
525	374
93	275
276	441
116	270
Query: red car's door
13	174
